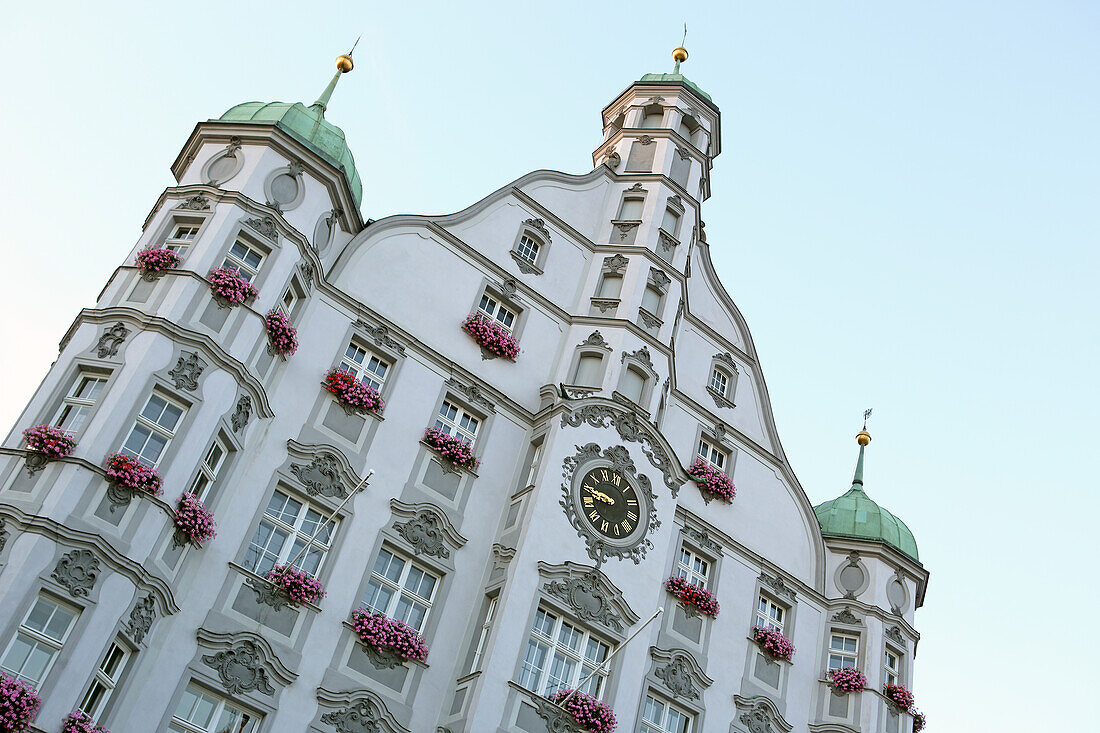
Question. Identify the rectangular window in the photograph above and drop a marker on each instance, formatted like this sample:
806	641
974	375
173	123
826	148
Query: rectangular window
533	465
719	382
589	370
611	286
497	311
401	589
891	667
153	429
528	249
712	454
40	636
769	614
479	650
843	650
662	717
245	259
78	403
692	567
286	518
631	209
632	385
368	367
106	679
208	469
199	711
453	420
651	300
561	655
671	222
181	237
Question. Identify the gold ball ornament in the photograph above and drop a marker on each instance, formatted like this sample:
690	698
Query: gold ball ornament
344	64
680	54
863	437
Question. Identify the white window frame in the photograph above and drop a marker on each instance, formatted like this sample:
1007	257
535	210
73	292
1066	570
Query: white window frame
398	590
362	369
154	426
533	466
528	248
708	450
181	245
891	675
220	705
207	474
582	665
841	653
720	381
459	425
237	262
769	614
294	533
84	406
493	308
483	637
40	639
676	216
688	566
662	726
106	679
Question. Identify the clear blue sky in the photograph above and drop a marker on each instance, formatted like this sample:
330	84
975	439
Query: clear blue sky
905	211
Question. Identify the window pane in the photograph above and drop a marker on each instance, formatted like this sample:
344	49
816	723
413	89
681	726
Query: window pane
610	286
631	210
670	221
632	385
651	300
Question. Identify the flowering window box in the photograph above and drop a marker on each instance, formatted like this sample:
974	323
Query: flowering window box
233	289
298	586
692	596
49	442
455	451
19	705
919	721
774	644
846	680
194	522
132	475
589	713
79	722
491	336
388	637
711	481
900	696
353	395
154	261
281	333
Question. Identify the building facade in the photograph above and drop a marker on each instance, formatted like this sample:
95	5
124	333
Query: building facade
523	574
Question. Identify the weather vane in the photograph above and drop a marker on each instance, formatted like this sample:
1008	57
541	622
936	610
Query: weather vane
866	414
685	35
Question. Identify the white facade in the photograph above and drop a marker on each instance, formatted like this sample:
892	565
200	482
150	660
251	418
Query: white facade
603	362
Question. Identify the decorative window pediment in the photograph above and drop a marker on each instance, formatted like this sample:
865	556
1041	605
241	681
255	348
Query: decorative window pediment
244	662
680	674
759	715
426	528
322	470
357	711
589	595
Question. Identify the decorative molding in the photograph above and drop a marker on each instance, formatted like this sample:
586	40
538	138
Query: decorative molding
646	140
382	658
850	592
616	263
525	265
666	241
641	356
508	287
683	152
472	394
141	620
357	711
589	593
188	369
898	582
845	616
195	203
778	586
726	359
720	400
680	673
321	476
558	720
675	200
381	336
659	279
77	571
624	228
244	662
264	226
894	634
760	715
268	594
650	320
702	538
654	100
605	304
241	414
596	339
111	339
613	159
539	226
427	529
636	188
4	535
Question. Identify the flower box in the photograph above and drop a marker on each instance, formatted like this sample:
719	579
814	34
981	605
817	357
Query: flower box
231	287
281	332
711	481
48	441
79	722
155	260
194	522
846	679
133	475
774	644
298	586
452	449
353	394
899	696
19	705
589	713
692	595
919	721
387	635
491	336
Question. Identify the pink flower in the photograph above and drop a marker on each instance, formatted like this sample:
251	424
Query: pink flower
230	285
132	474
78	722
193	520
51	442
846	679
281	332
588	712
352	392
712	481
454	449
693	595
491	336
919	721
385	634
19	704
774	643
899	696
299	586
156	259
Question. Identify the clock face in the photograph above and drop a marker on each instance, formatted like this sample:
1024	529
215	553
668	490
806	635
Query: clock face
609	503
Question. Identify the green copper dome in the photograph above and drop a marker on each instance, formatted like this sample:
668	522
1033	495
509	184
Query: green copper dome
307	125
854	515
670	78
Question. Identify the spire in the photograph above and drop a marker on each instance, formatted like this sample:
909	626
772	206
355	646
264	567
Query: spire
863	438
344	64
680	53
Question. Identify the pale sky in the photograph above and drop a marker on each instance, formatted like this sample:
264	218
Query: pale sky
905	211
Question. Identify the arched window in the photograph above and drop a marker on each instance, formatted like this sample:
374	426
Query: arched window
531	245
633	384
589	371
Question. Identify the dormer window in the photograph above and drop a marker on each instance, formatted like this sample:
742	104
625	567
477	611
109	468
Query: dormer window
528	248
497	311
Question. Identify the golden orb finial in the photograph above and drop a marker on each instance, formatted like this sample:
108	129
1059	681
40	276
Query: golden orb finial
863	437
344	64
680	54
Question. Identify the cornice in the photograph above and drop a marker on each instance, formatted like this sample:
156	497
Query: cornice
721	340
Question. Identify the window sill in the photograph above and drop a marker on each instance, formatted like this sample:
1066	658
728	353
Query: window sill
525	266
624	400
605	304
720	399
649	320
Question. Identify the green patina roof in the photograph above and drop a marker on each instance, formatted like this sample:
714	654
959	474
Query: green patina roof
855	515
677	78
307	125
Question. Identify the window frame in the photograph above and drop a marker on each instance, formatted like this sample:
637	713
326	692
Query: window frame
440	422
154	426
40	638
497	307
483	636
181	245
222	702
540	237
211	473
348	365
841	652
648	726
892	675
763	617
235	262
104	680
703	443
398	589
687	571
287	550
553	645
69	400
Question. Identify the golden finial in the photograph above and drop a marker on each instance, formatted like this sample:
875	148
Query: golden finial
863	437
680	53
344	64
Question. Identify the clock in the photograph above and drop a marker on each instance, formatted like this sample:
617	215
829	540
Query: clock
609	503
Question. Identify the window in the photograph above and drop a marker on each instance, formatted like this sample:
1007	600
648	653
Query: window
208	469
843	650
633	385
533	464
106	679
453	420
719	381
561	655
286	517
245	259
290	299
611	285
488	624
652	117
497	311
661	717
153	430
78	403
199	711
589	372
671	221
891	667
401	589
369	368
712	454
39	638
181	237
528	248
692	568
631	209
769	614
651	299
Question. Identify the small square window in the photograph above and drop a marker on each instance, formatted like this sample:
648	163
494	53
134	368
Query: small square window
80	400
719	381
180	237
560	654
497	311
31	653
528	248
199	711
370	368
712	454
401	589
769	614
891	667
692	567
843	650
153	430
453	420
245	259
287	526
662	717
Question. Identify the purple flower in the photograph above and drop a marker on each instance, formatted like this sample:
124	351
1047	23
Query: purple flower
156	259
352	392
588	712
454	449
385	634
846	679
693	595
19	704
712	481
299	586
78	722
230	285
899	696
919	721
281	332
773	643
193	520
51	442
491	336
132	474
